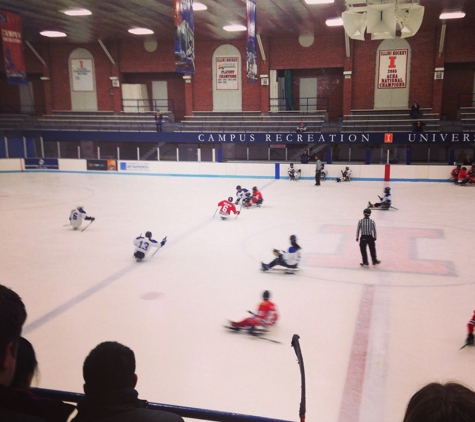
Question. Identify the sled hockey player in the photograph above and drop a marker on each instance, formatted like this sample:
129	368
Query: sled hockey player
293	173
265	317
455	173
470	326
256	199
77	215
323	172
385	203
144	244
345	175
242	194
226	207
289	259
462	177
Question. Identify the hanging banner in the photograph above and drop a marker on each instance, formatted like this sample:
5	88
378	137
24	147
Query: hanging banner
10	25
251	51
82	75
184	37
227	70
392	69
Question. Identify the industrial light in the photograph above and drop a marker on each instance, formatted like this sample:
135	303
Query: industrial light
334	22
452	15
140	31
234	28
319	1
53	34
199	6
77	12
382	20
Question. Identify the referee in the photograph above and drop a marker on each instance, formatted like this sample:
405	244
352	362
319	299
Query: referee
367	228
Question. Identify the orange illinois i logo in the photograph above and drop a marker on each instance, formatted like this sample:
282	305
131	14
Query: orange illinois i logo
388	138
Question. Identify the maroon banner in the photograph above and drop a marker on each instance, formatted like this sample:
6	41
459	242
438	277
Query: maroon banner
10	25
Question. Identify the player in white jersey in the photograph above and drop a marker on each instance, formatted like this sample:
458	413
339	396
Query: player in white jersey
77	215
242	194
144	244
287	259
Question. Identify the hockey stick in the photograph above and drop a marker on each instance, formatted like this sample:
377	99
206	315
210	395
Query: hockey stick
66	225
296	345
87	226
160	247
465	345
240	208
215	211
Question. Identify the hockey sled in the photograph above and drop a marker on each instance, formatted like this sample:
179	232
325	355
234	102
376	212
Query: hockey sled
258	332
383	209
281	270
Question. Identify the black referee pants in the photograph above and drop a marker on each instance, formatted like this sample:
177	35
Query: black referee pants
367	240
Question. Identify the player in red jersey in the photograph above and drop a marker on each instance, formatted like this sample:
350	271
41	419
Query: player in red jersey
470	326
463	176
455	173
226	207
265	316
256	199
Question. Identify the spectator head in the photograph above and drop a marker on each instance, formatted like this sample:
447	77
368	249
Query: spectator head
451	402
26	365
109	367
12	318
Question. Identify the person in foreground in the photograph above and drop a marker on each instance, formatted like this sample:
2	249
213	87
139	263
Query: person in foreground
265	316
142	245
110	395
367	229
435	402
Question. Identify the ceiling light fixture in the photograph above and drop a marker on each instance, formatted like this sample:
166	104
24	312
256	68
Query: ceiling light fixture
319	1
53	34
140	31
234	28
199	6
334	22
77	12
452	15
382	20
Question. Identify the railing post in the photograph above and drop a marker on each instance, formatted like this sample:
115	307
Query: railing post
98	152
59	150
79	152
25	155
42	147
177	154
6	147
118	153
138	154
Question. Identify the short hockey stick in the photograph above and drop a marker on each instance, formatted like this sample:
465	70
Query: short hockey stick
215	211
296	345
87	226
66	225
240	208
158	248
465	345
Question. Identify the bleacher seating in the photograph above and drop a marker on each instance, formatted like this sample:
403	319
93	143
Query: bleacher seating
252	121
388	121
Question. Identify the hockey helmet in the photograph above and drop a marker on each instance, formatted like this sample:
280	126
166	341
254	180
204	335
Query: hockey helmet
238	187
367	211
80	208
266	295
148	234
293	238
254	188
230	199
459	166
387	189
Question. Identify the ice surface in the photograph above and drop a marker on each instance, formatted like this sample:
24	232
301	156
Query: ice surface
369	337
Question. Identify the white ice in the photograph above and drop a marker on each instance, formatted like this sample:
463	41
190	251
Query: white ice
370	337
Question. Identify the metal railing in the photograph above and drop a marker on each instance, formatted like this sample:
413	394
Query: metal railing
305	104
132	105
186	412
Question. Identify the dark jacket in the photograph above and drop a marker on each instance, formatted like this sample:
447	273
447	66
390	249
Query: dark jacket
29	407
304	158
120	406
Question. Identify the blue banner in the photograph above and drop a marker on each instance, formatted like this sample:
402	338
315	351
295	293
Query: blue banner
400	138
251	50
184	37
41	164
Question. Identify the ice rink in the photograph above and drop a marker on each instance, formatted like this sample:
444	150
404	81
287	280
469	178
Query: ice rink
370	337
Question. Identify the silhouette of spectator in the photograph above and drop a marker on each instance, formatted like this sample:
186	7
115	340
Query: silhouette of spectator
110	379
23	399
418	126
12	318
450	402
304	158
415	110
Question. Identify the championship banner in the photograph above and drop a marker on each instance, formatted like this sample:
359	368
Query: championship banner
10	25
82	73
392	69
227	70
184	37
251	51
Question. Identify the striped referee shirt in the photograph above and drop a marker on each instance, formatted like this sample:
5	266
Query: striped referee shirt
366	227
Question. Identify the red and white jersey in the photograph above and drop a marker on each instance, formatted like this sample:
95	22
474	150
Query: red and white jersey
226	207
267	312
256	195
